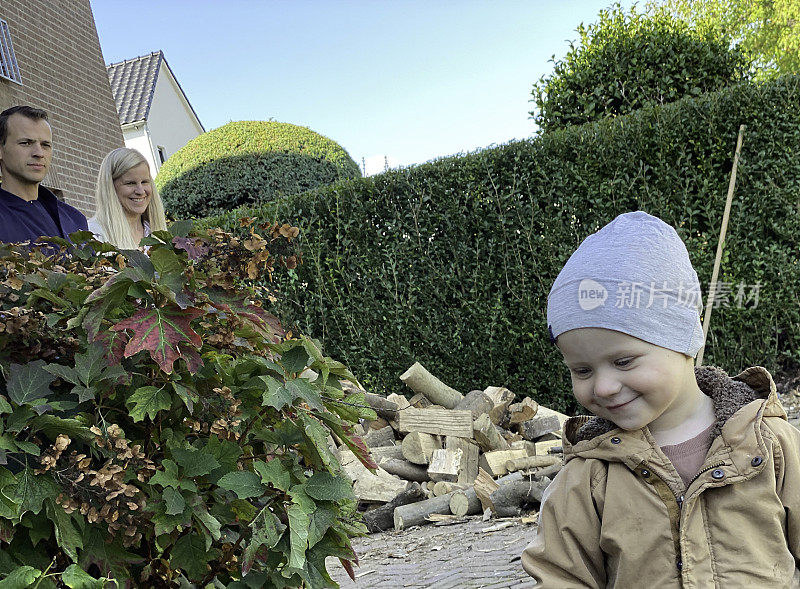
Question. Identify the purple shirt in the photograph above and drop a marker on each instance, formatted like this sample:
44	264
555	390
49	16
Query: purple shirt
21	220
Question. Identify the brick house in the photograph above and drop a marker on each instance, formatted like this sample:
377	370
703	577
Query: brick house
50	58
154	112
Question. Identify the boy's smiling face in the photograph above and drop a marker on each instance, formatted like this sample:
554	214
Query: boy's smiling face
629	381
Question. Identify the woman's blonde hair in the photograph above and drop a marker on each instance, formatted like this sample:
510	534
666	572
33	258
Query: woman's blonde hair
109	213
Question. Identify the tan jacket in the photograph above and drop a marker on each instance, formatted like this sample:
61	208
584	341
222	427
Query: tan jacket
618	515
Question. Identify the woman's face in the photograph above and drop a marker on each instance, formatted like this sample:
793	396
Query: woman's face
134	190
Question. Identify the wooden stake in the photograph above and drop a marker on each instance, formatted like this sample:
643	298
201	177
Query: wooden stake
715	273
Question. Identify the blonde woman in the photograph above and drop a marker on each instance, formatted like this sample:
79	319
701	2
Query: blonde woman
128	205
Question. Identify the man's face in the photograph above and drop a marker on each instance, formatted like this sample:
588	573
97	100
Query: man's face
25	156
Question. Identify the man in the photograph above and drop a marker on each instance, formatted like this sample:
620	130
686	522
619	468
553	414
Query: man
28	210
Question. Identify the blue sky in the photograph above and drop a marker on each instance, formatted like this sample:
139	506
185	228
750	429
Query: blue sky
406	79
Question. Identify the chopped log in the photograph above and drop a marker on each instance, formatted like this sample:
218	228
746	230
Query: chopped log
444	487
440	422
382	518
422	381
476	504
484	486
379	437
509	499
495	462
500	416
510	436
427	490
531	462
529	447
550	437
379	486
502	398
538	426
477	402
445	465
379	423
382	407
487	436
545	411
404	469
522	411
469	458
398	400
544	447
419	401
549	471
382	452
414	514
459	504
418	447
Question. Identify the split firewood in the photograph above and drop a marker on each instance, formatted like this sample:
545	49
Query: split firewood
529	447
440	422
522	411
495	462
509	499
538	426
484	486
376	438
404	469
477	402
420	401
531	462
398	400
383	452
547	447
469	458
474	502
445	465
379	486
382	518
487	436
382	406
422	381
562	418
444	487
418	447
502	398
379	423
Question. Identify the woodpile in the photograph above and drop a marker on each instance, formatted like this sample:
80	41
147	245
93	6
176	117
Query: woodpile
443	454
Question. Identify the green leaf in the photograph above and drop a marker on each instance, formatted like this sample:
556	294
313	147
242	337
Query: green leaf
242	482
167	477
299	523
315	433
323	486
187	395
273	472
52	425
20	578
32	490
322	519
174	501
181	228
166	334
90	365
4	405
267	530
147	402
194	463
189	554
212	529
302	389
294	360
76	578
276	395
170	268
68	538
28	382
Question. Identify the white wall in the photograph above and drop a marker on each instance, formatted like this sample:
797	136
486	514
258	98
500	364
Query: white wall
171	123
136	137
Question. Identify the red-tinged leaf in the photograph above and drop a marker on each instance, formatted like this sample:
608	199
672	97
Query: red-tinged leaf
348	566
114	343
165	333
195	247
193	360
361	451
262	320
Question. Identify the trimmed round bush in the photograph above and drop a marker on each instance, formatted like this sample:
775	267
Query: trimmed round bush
249	162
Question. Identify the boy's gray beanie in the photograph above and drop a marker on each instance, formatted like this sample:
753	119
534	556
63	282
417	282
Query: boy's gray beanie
633	276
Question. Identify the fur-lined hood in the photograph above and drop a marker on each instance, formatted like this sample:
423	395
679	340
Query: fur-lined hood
728	394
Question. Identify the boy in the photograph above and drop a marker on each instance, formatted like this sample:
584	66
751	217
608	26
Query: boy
684	477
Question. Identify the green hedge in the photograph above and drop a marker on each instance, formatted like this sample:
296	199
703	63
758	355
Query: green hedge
249	163
450	262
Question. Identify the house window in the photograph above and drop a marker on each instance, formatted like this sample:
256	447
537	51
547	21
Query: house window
162	154
8	61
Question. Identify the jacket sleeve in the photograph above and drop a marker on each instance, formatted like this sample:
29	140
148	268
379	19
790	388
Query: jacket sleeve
565	552
788	482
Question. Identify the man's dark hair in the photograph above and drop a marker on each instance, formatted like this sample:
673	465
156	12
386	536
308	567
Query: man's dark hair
26	111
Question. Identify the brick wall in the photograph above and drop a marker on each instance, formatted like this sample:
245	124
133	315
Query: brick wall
63	72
